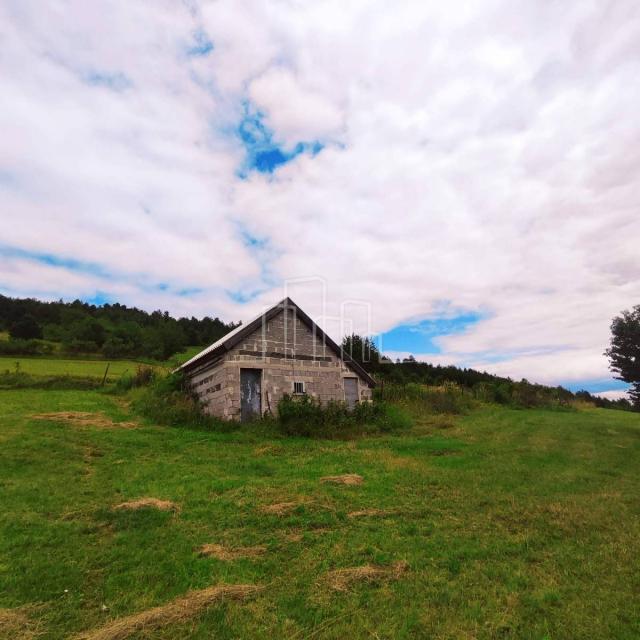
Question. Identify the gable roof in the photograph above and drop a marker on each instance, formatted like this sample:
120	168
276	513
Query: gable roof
237	335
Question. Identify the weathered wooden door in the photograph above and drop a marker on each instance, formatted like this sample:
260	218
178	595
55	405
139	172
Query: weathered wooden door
250	393
351	392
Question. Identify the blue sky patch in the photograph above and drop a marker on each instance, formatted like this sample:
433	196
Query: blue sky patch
263	153
98	271
113	81
241	296
597	386
55	261
418	338
99	299
263	252
201	46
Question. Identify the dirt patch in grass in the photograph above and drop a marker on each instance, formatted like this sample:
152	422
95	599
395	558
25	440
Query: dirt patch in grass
147	503
268	449
347	478
343	579
230	553
174	612
84	419
373	513
392	461
280	508
445	452
293	536
15	624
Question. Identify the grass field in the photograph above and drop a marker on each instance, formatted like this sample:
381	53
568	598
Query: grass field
90	367
70	367
514	524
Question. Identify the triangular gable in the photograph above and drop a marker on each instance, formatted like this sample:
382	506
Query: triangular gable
237	335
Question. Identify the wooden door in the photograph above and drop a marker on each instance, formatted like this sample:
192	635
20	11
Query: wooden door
351	392
250	394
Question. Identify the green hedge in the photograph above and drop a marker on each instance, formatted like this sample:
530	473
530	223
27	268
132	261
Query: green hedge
306	416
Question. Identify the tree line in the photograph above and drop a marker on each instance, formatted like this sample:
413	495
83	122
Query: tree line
111	330
115	330
486	386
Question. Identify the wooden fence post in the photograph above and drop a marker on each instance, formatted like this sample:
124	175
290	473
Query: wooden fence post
106	371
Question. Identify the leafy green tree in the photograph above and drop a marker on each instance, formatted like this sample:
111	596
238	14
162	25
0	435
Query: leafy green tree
115	347
624	351
363	350
162	341
88	330
25	328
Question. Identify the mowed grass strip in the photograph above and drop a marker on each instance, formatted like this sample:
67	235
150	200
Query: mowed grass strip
68	367
527	526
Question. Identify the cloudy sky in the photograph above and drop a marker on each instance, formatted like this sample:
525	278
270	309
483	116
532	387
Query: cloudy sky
469	170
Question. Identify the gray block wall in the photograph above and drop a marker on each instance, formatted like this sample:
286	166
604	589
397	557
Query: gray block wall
286	351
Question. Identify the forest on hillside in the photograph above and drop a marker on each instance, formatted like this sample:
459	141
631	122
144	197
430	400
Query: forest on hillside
111	330
486	386
114	331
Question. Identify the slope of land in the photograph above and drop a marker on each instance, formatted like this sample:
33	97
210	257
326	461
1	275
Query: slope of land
502	523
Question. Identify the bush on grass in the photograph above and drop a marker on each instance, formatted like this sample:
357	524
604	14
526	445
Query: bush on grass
448	398
20	380
19	347
525	395
451	398
143	377
306	416
169	400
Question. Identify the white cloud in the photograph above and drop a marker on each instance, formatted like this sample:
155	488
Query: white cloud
613	395
485	155
295	113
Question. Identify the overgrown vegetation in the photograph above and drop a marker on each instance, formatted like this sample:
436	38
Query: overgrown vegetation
112	330
419	399
306	416
21	347
20	380
168	400
485	386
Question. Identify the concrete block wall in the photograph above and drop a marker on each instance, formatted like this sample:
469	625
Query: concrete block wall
286	351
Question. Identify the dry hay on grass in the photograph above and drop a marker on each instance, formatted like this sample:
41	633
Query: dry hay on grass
84	419
342	579
363	513
175	612
147	503
347	478
392	461
293	536
15	624
280	508
230	553
268	449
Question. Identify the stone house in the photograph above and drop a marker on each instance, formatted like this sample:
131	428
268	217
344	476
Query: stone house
282	351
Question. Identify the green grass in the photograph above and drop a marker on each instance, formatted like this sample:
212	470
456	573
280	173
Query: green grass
70	367
92	366
178	358
515	524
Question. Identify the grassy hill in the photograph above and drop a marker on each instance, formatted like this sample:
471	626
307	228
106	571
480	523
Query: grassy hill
93	368
512	524
87	367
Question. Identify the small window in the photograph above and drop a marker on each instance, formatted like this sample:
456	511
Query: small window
298	387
